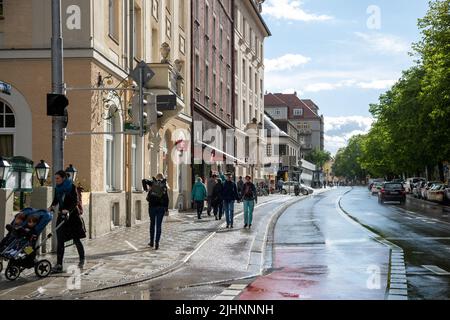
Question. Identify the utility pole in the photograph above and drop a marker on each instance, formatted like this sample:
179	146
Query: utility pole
57	87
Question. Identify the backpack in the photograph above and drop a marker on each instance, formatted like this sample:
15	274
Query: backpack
157	193
80	200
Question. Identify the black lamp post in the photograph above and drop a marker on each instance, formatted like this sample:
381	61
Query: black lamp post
72	172
5	168
42	171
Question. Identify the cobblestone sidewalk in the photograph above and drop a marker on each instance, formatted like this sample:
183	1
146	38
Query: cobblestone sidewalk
121	257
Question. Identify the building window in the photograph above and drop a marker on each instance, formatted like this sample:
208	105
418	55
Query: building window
207	80
113	18
7	130
214	88
197	9
244	76
269	150
207	20
110	155
134	163
298	112
168	28
137	34
197	71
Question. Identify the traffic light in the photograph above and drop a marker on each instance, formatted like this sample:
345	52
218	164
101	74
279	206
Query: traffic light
135	109
151	110
56	105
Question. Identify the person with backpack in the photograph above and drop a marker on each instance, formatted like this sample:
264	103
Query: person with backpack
229	196
66	203
199	195
250	198
217	201
158	200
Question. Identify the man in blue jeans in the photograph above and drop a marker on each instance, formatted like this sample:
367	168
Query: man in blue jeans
229	196
158	201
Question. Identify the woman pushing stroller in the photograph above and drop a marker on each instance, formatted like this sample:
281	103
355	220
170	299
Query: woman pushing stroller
65	203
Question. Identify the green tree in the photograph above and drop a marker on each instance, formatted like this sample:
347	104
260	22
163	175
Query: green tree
318	157
347	161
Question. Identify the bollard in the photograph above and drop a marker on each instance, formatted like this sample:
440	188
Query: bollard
41	199
6	209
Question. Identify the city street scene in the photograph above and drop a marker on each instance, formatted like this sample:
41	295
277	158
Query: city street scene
224	150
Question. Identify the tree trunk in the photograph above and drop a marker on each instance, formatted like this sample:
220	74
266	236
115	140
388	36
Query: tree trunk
441	171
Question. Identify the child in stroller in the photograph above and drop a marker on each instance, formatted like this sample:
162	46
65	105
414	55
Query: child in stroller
20	246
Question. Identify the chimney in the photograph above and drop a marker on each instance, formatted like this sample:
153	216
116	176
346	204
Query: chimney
295	92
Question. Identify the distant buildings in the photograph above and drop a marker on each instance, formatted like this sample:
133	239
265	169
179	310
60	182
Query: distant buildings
303	114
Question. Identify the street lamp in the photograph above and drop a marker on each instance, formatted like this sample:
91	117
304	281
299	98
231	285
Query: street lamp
42	170
5	167
72	172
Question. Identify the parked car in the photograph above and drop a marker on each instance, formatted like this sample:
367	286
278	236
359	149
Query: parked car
289	188
392	191
437	193
426	187
410	182
376	187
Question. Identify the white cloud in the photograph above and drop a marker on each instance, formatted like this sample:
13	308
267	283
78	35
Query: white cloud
291	10
384	43
286	62
377	84
327	86
321	86
339	130
337	123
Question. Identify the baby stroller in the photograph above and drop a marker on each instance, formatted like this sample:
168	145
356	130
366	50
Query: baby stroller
21	253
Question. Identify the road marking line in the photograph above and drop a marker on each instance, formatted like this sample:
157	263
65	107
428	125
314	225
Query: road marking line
399	292
131	246
436	270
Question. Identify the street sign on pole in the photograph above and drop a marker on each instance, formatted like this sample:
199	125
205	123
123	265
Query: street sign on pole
144	77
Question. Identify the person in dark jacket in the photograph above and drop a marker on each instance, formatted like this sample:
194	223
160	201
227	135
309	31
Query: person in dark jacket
158	200
217	200
229	196
250	198
66	200
240	186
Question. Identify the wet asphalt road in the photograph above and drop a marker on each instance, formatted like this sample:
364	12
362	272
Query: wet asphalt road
213	268
422	230
317	241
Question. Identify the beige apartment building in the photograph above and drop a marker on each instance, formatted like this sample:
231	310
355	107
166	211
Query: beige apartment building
98	46
250	33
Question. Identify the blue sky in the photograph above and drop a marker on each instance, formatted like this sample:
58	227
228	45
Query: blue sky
341	53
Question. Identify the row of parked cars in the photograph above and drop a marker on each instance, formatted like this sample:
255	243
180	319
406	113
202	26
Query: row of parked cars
435	191
420	188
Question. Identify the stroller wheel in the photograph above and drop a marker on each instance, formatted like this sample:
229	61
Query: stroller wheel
43	268
12	273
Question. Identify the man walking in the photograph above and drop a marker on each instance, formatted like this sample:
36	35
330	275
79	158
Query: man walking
229	195
250	198
212	181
